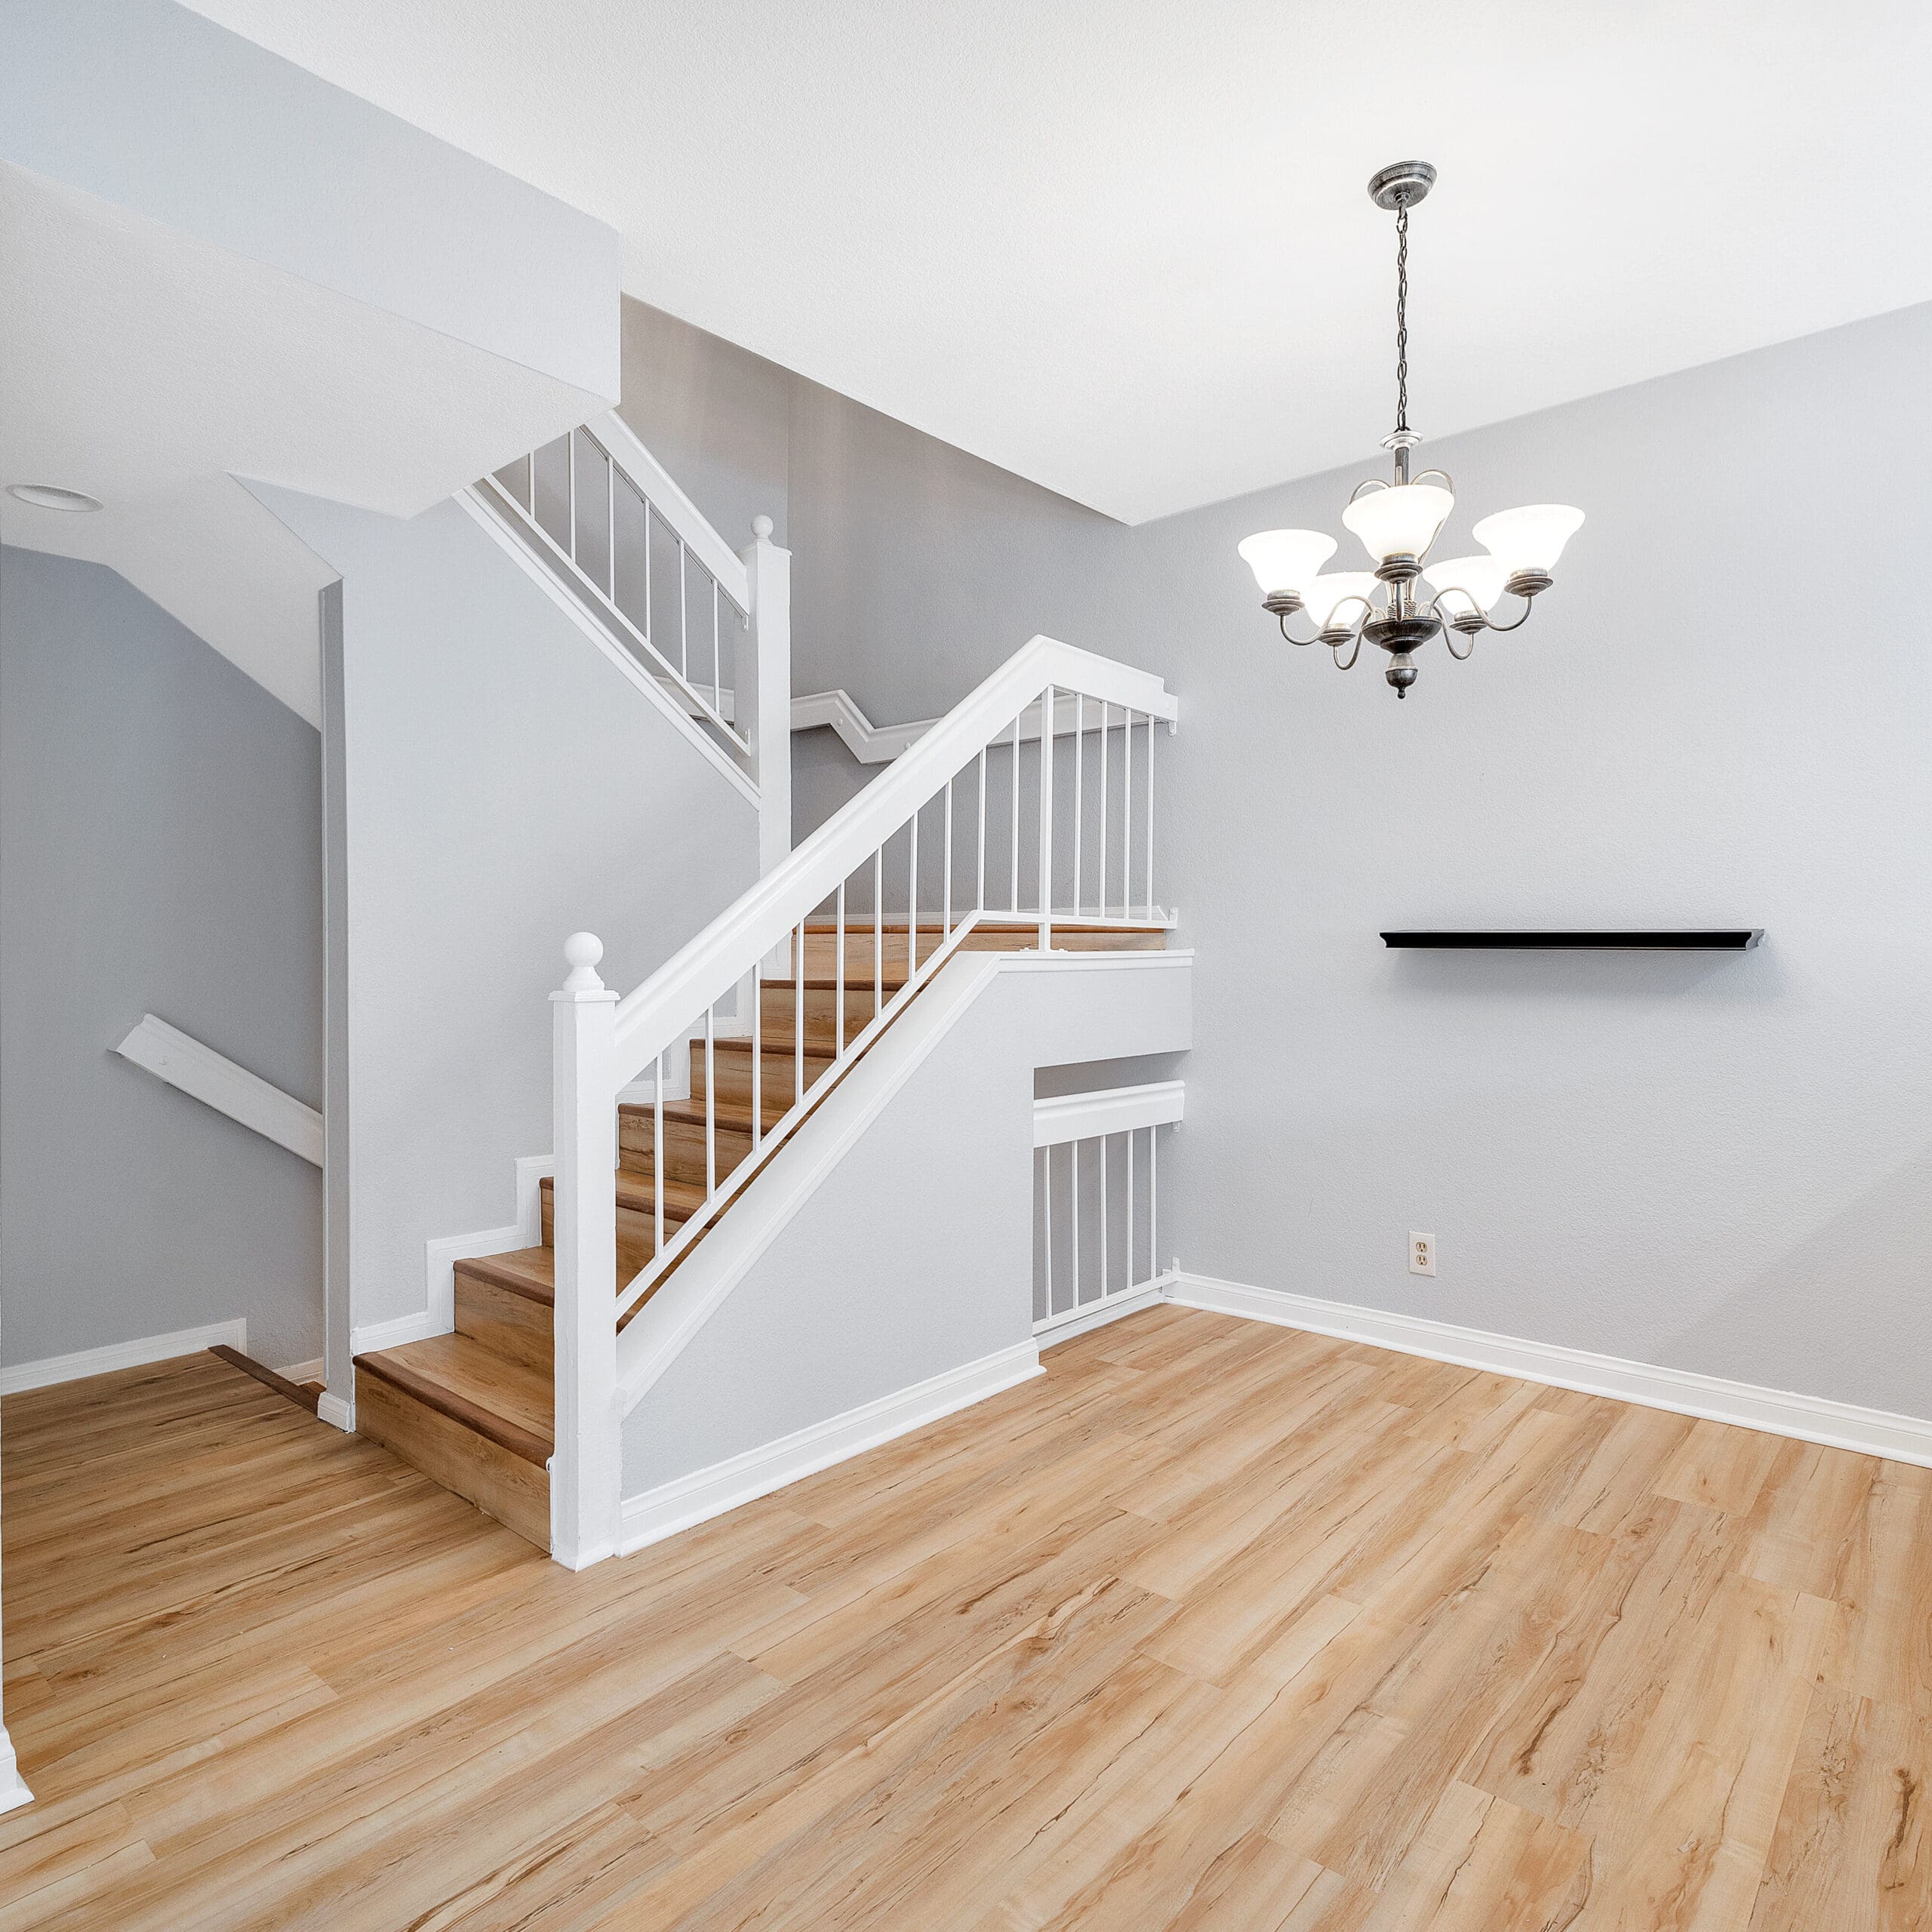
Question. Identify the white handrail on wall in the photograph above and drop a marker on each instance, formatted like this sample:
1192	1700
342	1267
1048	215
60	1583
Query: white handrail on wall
600	1047
216	1081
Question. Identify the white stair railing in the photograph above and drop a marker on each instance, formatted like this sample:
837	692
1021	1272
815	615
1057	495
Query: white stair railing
713	627
955	834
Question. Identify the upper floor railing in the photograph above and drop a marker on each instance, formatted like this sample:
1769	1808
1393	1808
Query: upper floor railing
711	625
987	820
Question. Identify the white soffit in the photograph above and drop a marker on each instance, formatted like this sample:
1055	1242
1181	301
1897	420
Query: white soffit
1125	251
150	367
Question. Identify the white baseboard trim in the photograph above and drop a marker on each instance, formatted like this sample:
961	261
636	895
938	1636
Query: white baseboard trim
136	1354
696	1498
419	1327
304	1371
1714	1397
1072	1321
12	1792
337	1412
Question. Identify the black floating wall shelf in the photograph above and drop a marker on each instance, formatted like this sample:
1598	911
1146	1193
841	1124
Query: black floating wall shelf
1701	939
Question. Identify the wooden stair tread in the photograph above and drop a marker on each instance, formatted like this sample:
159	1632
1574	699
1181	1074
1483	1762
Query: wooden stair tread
509	1403
529	1272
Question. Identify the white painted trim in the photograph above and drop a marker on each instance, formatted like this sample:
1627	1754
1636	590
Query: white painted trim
696	1498
136	1354
1112	1110
1072	1321
303	1371
337	1413
1714	1398
533	567
440	1257
879	744
368	1337
664	1326
14	1792
530	1170
216	1081
653	1015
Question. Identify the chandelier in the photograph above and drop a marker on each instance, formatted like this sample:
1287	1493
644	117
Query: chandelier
1398	522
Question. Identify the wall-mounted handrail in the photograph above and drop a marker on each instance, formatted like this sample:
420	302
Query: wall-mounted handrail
216	1081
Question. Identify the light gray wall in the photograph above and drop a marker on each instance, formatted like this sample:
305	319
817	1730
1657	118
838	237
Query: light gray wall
1719	715
160	851
504	786
916	568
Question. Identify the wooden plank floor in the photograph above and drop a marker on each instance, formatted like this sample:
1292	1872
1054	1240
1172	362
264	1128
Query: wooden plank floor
1213	1626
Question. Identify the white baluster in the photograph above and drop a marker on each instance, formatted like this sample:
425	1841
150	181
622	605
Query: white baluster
585	1468
1079	790
1102	866
1150	818
1046	818
1013	876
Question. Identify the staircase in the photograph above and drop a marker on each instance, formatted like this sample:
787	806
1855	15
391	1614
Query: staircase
475	1409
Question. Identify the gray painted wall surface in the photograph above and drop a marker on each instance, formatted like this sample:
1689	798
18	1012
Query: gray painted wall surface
914	1256
504	787
1719	715
1719	1165
160	851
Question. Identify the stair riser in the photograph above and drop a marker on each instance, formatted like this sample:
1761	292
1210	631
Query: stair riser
779	1022
684	1148
508	1323
637	1232
778	1082
516	1492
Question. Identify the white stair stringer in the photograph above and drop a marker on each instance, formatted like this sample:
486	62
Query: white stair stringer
878	1273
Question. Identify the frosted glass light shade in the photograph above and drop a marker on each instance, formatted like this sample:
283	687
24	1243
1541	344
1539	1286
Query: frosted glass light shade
1286	559
1529	538
1328	599
1467	583
1399	522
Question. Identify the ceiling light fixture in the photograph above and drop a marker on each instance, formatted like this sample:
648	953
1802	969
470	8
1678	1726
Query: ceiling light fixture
1397	522
51	496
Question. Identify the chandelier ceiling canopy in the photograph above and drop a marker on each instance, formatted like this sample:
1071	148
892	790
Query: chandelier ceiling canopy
1397	522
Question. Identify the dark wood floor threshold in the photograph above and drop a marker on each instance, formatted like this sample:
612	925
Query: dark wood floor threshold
304	1395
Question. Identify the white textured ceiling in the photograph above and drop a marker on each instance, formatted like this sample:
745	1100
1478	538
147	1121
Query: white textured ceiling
1122	247
150	368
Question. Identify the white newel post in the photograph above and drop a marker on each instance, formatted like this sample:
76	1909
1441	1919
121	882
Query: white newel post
764	690
585	1470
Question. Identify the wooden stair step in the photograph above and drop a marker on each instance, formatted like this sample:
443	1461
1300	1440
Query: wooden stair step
531	1272
478	1422
502	1400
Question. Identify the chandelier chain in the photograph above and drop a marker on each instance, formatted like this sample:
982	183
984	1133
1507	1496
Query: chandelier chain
1402	317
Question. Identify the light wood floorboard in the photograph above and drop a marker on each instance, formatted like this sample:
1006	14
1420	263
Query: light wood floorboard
1213	1626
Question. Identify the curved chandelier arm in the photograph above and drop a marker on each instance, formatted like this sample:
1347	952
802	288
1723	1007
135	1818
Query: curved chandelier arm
1449	643
1529	604
1350	664
1301	643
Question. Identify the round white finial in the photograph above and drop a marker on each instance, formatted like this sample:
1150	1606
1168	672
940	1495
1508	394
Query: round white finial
760	527
582	951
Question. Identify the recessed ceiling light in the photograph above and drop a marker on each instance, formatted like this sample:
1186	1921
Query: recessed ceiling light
51	496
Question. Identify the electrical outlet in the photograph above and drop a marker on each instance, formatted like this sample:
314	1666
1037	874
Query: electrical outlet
1422	1254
